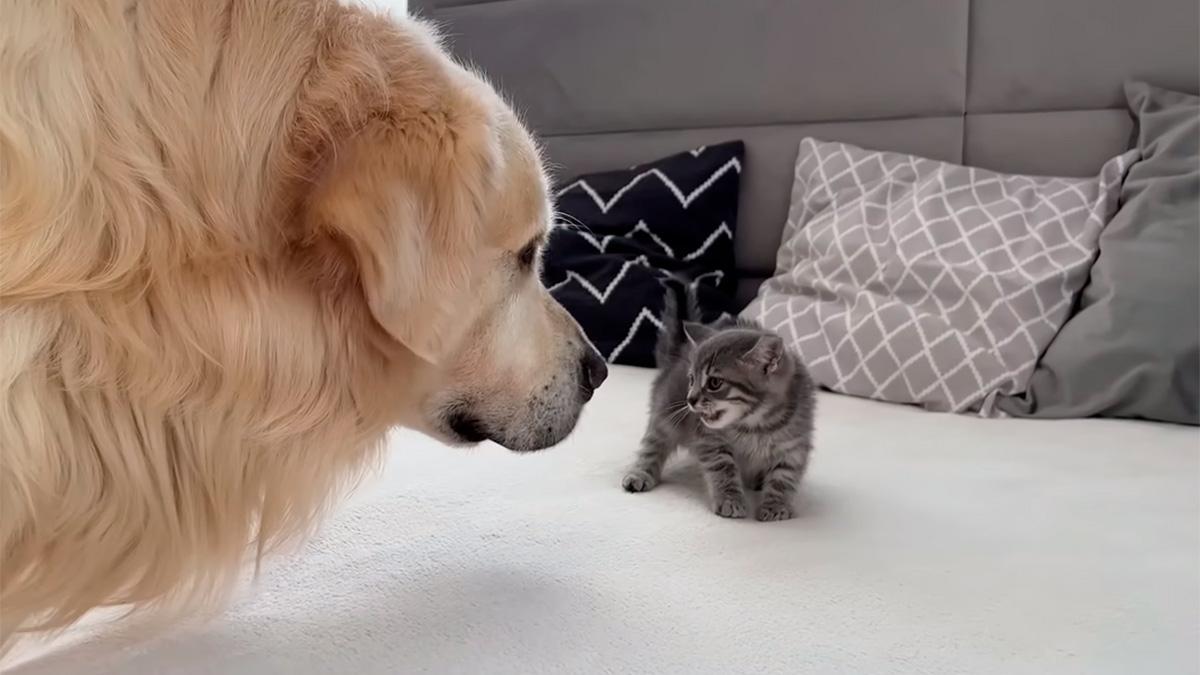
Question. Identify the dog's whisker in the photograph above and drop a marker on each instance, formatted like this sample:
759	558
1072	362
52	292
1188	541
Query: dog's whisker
571	222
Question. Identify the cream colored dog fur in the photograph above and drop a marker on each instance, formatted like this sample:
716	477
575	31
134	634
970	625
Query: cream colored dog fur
239	240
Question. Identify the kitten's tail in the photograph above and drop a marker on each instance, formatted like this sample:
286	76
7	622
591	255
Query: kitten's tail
669	338
680	292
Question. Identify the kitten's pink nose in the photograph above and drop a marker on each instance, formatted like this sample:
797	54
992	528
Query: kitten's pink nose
692	401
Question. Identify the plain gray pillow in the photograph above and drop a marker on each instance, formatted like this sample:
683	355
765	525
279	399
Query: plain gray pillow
1132	349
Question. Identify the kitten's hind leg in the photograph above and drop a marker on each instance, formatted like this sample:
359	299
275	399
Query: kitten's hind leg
646	471
724	480
779	486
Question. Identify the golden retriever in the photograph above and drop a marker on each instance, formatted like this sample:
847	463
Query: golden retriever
239	240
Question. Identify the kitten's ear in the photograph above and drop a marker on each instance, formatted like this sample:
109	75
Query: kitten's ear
696	332
765	354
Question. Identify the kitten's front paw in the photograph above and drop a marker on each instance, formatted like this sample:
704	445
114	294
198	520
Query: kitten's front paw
638	481
730	506
774	511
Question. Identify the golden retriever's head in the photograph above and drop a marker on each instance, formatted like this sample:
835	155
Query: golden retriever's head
441	206
259	234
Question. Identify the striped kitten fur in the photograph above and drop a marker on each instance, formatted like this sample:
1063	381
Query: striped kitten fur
739	402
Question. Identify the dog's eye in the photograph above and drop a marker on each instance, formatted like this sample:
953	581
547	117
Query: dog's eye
527	255
714	384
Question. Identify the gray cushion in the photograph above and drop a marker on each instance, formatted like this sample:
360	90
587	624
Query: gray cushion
1056	143
916	281
1133	348
624	65
1021	86
1072	54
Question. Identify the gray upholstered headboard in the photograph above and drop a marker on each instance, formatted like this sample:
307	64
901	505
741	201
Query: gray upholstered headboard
1017	85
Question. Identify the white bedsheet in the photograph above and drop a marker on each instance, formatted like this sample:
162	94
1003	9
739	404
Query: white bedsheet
925	543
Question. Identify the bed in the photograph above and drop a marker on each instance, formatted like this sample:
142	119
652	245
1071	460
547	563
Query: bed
969	545
923	542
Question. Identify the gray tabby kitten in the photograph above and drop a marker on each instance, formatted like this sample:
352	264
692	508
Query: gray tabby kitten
739	402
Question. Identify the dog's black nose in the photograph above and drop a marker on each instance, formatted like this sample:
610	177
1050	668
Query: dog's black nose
594	372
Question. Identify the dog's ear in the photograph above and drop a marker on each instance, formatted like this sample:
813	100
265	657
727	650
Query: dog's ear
402	175
412	217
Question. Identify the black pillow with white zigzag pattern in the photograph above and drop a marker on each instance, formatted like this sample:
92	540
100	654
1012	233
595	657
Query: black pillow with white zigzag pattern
625	236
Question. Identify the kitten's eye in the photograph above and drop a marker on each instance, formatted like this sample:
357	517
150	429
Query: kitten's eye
714	384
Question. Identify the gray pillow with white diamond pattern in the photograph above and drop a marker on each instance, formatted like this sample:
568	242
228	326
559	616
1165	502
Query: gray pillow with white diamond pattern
916	281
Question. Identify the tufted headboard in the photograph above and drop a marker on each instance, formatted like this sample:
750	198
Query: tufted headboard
1029	86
